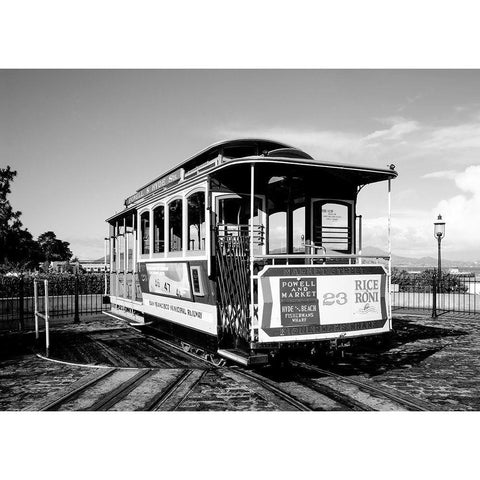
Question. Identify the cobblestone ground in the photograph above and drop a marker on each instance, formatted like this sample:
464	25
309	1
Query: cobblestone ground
437	360
27	379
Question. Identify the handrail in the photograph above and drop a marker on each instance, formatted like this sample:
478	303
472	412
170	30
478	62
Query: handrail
301	255
45	315
316	247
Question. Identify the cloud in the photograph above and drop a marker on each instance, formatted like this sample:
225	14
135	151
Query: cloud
400	127
448	174
412	230
469	180
456	137
461	212
332	145
410	233
327	144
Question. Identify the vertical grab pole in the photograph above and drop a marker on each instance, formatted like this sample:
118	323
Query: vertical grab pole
389	251
47	326
125	252
35	300
252	205
360	239
134	257
208	227
105	267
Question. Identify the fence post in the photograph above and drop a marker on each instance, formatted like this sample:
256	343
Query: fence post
434	296
21	310
76	318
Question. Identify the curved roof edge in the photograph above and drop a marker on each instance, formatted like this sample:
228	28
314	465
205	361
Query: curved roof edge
199	157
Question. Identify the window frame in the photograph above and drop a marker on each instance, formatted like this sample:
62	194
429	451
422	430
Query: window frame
181	252
165	226
141	212
350	204
187	195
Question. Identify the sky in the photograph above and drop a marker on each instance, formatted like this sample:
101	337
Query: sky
84	140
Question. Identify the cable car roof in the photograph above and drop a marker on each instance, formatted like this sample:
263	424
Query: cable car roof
226	154
361	175
256	145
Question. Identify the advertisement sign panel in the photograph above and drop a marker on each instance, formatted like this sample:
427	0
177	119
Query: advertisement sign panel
166	278
313	300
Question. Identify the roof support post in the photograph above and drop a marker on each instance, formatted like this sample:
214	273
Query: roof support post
252	214
208	227
389	252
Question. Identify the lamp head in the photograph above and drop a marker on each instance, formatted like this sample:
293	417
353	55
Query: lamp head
439	228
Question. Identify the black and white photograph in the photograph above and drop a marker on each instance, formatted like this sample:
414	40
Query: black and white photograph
239	260
245	243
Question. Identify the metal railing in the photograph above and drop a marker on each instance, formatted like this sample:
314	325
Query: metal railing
237	230
43	316
420	292
69	296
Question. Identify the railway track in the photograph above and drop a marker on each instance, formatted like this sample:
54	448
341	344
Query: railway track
302	387
304	393
126	390
403	401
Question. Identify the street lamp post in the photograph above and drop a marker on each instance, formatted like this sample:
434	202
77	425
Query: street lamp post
439	234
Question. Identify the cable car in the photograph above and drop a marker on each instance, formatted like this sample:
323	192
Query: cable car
248	247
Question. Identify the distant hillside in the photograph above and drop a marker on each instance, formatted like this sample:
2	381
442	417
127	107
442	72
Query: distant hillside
418	262
399	261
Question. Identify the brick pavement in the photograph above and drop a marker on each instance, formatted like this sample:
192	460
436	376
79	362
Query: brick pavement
436	360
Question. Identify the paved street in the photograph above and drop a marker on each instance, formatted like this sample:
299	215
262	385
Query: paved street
435	360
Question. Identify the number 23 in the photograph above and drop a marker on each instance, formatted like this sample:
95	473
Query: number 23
330	298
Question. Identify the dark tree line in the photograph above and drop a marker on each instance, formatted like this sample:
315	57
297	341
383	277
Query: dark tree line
424	281
18	249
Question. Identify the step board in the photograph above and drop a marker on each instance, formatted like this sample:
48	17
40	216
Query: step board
243	358
130	319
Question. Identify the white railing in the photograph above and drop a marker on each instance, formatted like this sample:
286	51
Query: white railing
45	315
292	257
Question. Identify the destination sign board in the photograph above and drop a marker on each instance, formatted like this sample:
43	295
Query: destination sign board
159	184
311	302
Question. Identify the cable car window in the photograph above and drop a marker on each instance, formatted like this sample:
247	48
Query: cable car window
332	225
196	221
159	229
298	226
233	218
175	225
145	232
236	210
114	253
277	232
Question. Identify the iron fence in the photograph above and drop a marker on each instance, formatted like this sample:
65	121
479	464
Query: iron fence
70	295
452	293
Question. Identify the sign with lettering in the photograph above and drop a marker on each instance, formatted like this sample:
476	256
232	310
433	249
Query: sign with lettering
335	226
160	184
313	302
334	215
298	301
165	278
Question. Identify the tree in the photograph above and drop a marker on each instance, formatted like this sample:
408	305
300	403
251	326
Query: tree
18	249
9	219
423	281
54	249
